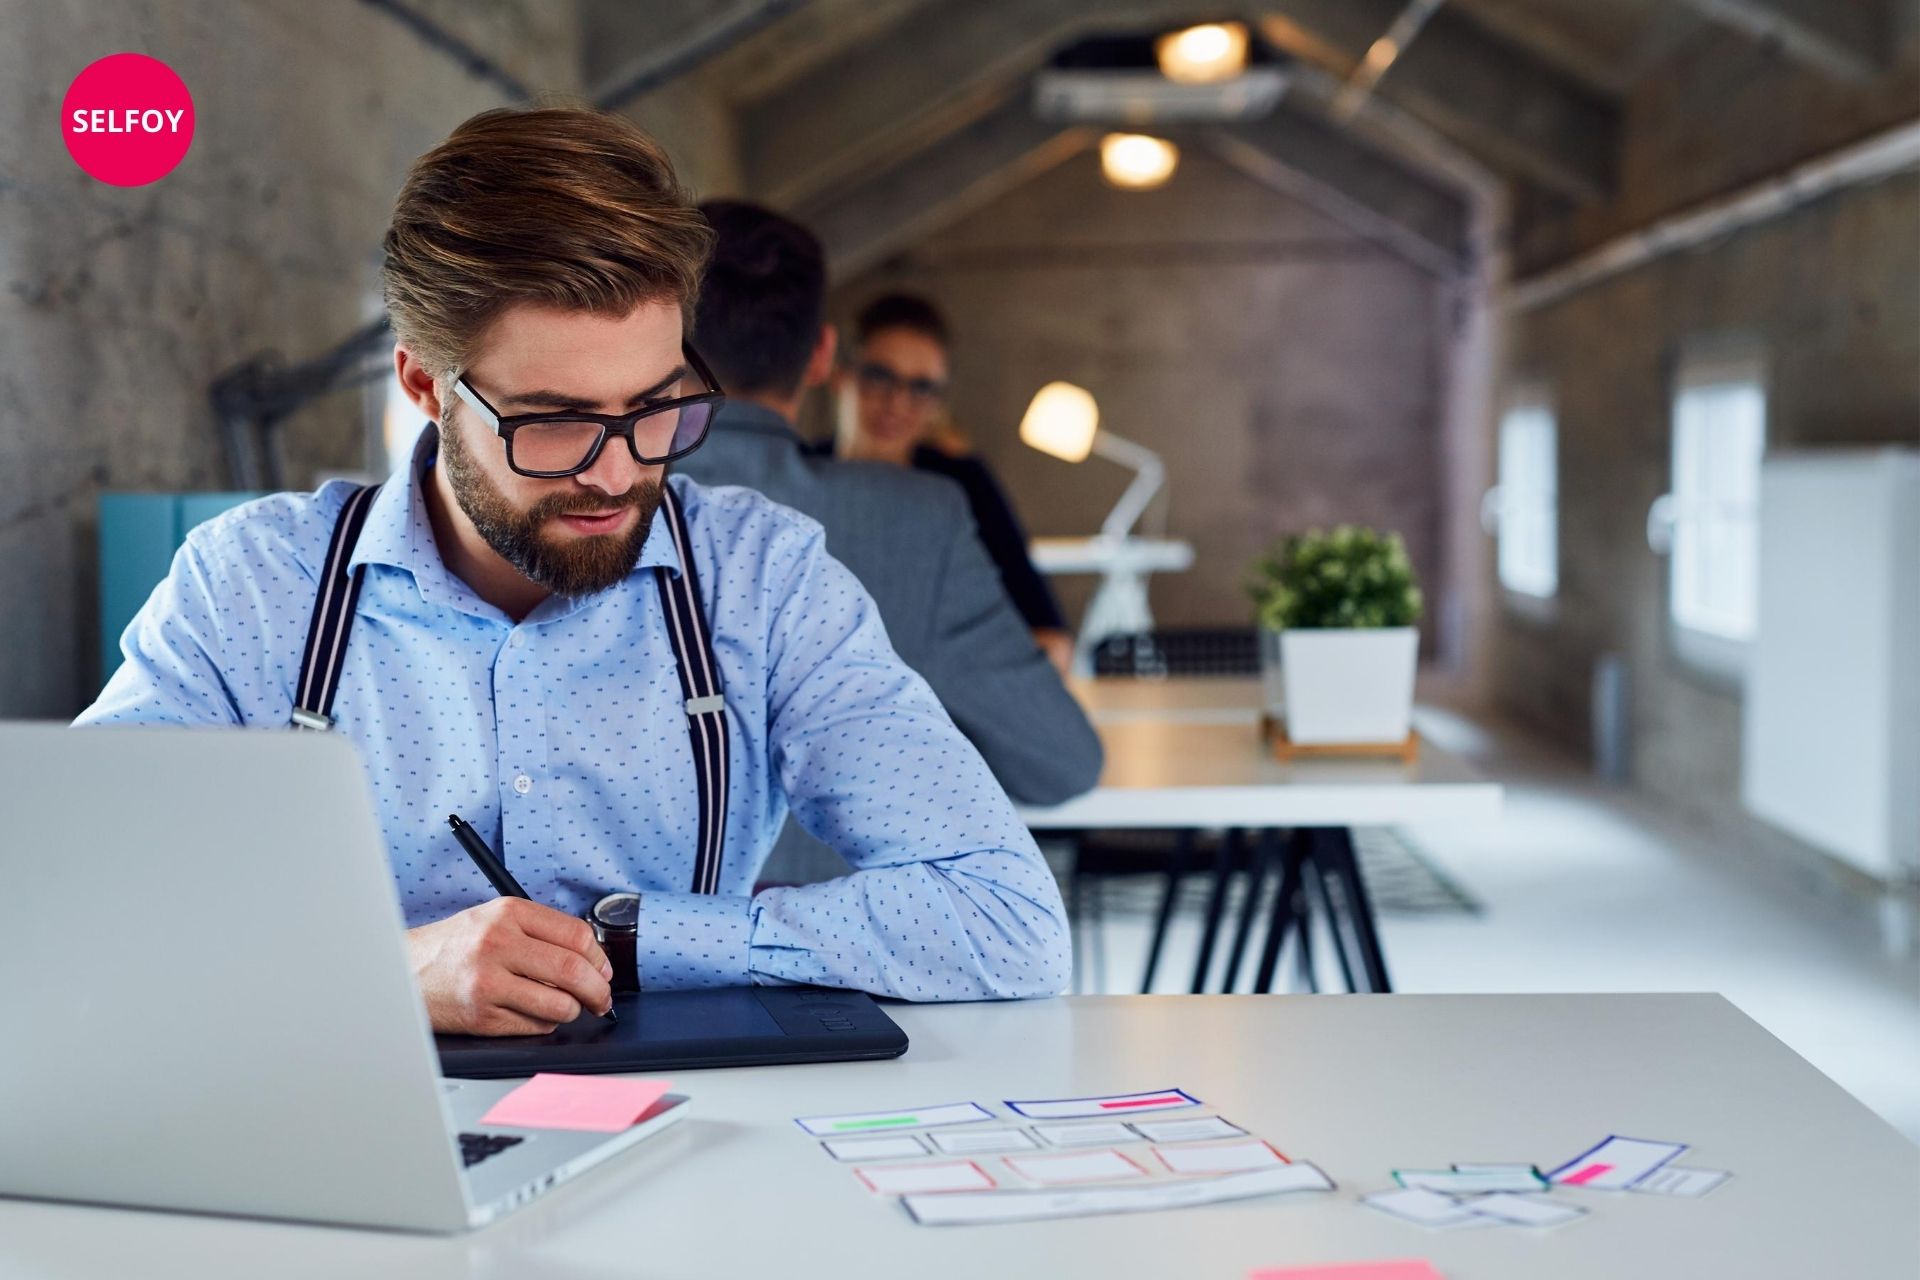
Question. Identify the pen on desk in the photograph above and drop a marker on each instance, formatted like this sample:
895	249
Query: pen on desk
490	866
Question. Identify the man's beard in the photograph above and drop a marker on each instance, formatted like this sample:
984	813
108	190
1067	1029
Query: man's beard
577	566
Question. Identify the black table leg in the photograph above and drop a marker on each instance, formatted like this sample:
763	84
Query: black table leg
1256	881
1285	911
1337	856
1182	854
1316	883
1223	860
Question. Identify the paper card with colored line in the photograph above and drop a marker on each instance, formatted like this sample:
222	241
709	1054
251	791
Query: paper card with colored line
1463	1182
974	1142
1615	1164
878	1146
1124	1197
1187	1129
880	1121
1220	1157
903	1179
1093	1166
1672	1180
1118	1104
1096	1134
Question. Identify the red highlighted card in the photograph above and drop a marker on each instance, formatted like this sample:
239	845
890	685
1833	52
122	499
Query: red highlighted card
594	1104
1110	1105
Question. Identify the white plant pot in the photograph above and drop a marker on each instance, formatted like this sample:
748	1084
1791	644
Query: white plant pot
1345	685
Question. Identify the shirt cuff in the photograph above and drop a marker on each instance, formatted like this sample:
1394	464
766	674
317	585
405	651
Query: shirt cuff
693	940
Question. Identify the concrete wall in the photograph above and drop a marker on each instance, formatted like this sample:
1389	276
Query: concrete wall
118	306
1828	294
1289	373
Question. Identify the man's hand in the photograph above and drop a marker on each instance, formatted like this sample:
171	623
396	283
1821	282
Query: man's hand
509	968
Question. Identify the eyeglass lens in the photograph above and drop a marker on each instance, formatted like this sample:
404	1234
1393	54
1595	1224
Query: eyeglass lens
565	444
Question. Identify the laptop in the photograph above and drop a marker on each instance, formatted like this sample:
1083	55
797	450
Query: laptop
208	1003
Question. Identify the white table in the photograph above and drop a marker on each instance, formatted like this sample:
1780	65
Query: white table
1822	1189
1119	606
1186	754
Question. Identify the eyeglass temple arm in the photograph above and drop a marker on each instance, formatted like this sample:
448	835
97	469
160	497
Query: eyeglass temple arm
487	415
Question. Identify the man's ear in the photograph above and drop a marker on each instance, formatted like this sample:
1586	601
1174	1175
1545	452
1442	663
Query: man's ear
820	363
417	383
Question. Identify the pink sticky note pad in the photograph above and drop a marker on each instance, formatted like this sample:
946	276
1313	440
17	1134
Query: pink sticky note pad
598	1104
1403	1269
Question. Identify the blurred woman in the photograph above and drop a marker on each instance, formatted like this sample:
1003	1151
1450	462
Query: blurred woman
899	379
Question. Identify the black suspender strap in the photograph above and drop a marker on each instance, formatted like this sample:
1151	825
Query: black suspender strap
700	683
332	617
339	595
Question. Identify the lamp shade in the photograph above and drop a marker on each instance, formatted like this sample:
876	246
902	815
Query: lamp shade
1061	421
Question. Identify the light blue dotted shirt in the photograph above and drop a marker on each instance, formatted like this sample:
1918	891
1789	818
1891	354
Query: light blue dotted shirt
564	741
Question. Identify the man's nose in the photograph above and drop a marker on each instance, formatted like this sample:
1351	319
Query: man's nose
614	471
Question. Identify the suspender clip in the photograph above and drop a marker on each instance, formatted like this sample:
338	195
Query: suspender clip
305	719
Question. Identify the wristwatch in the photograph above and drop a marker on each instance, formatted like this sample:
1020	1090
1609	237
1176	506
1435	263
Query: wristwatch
616	927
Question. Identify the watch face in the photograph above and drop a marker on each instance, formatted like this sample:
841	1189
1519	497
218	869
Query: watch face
618	911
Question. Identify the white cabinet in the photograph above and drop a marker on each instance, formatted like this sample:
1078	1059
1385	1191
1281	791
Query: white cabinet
1832	710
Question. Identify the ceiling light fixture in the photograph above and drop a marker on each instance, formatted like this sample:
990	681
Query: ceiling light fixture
1137	162
1205	54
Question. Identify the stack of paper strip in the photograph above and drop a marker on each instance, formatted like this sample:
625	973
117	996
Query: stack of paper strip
961	1162
1485	1195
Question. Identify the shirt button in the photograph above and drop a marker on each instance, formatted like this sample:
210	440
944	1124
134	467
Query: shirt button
519	639
523	784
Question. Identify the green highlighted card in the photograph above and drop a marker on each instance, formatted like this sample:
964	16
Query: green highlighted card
880	1121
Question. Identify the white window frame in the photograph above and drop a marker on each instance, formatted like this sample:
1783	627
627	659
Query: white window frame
1523	508
1708	524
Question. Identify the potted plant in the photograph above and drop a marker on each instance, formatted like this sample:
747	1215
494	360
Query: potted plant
1338	614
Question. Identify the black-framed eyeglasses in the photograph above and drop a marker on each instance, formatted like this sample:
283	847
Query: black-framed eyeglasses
548	446
877	380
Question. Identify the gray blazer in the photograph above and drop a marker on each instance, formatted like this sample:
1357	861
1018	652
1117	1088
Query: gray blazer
910	539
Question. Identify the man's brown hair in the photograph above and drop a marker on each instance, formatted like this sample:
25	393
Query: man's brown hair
559	205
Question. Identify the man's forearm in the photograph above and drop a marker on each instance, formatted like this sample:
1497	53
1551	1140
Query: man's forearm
986	925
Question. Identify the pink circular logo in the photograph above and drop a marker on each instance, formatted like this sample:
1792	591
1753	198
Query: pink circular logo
127	119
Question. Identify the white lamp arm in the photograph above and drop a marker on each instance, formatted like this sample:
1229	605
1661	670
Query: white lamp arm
1152	473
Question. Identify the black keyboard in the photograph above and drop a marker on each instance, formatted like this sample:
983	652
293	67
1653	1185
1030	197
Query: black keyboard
475	1147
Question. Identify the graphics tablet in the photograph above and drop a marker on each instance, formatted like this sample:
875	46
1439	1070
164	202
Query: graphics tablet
679	1030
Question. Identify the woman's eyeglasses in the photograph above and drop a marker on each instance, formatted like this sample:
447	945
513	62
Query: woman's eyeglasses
880	382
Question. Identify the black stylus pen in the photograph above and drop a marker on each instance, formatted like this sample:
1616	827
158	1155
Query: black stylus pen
491	867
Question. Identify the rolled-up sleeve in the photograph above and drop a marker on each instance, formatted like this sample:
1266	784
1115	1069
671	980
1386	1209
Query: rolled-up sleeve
949	898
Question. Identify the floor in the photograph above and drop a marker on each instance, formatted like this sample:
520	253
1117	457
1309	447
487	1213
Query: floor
1586	889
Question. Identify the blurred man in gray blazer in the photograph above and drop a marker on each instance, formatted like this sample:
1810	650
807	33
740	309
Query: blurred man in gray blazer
908	536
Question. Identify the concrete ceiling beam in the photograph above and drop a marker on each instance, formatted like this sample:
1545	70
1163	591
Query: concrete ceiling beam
1846	39
868	221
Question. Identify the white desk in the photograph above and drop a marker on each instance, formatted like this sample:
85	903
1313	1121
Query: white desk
1186	754
1822	1189
1119	606
1176	772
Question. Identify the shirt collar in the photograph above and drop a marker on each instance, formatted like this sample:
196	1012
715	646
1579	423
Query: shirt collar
399	533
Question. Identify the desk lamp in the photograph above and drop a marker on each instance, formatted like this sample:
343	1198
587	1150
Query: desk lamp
1064	422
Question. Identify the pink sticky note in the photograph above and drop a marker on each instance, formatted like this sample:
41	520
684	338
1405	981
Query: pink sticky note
1403	1269
598	1104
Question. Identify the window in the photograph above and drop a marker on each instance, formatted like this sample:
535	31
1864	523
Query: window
1719	434
1527	502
